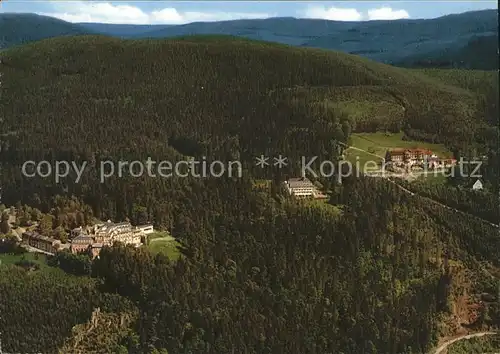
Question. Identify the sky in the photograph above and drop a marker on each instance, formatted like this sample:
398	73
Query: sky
180	12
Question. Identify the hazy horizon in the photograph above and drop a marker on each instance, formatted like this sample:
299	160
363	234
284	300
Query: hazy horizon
180	13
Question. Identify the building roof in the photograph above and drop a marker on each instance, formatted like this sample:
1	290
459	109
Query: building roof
120	224
109	226
82	237
422	151
36	235
400	151
300	183
97	245
394	152
112	224
297	179
77	233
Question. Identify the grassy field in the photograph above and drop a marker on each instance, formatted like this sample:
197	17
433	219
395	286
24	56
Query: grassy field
360	158
163	242
379	143
158	234
33	257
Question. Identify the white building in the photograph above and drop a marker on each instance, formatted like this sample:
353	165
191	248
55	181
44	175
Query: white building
478	185
302	188
112	228
129	238
124	232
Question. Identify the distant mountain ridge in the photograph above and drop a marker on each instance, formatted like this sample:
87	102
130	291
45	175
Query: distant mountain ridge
443	41
18	29
127	31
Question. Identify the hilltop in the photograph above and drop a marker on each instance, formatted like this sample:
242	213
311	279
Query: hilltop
442	41
18	29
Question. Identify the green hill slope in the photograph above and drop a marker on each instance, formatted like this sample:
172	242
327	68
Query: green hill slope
96	97
480	52
483	83
98	80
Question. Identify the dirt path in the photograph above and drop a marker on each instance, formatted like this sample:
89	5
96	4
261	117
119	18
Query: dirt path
441	349
446	206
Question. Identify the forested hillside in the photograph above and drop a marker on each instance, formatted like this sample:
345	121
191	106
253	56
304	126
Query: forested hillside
96	98
263	276
259	272
480	53
41	307
216	97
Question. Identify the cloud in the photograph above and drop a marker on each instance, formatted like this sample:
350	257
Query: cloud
386	13
171	15
352	14
104	12
333	13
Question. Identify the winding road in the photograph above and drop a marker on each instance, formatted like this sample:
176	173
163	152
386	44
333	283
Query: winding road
445	345
442	348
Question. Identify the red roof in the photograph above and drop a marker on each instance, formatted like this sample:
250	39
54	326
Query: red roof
396	152
415	151
421	151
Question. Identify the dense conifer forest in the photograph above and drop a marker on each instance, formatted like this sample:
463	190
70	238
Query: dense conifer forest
269	276
260	272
